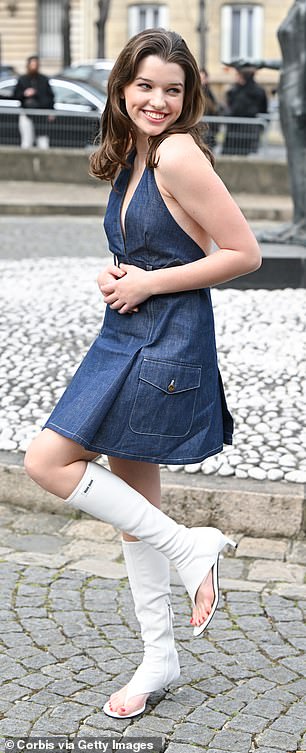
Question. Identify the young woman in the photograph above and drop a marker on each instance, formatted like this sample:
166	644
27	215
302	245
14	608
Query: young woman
149	390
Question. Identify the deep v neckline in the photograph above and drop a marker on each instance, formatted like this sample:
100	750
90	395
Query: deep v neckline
122	220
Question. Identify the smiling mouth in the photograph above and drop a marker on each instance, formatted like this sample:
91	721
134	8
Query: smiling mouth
157	116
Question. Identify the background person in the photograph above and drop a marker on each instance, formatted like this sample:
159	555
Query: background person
34	91
212	108
245	99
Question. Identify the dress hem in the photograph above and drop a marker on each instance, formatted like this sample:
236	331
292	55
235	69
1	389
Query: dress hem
130	456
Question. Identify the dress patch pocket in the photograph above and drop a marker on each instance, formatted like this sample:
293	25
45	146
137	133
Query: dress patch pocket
165	399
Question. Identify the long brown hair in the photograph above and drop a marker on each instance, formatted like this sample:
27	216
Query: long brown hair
118	135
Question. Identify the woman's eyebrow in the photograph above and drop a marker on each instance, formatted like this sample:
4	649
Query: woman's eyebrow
149	81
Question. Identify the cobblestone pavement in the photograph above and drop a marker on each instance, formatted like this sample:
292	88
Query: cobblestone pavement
52	310
69	637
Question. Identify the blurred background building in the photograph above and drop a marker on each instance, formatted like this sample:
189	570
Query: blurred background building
64	31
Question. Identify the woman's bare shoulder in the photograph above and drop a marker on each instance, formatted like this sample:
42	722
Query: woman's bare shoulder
177	151
176	144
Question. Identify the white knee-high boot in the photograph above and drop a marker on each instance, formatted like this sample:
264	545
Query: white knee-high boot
149	577
194	551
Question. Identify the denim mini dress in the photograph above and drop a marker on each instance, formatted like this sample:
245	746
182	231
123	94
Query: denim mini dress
149	387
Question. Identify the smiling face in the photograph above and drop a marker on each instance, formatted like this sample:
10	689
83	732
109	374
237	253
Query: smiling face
154	99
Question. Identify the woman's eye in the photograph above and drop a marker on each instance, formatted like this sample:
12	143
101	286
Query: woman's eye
174	90
144	86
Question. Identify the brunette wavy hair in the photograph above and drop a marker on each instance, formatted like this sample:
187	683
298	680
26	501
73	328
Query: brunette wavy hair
118	135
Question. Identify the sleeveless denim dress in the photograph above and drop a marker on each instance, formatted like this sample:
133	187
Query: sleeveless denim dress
149	387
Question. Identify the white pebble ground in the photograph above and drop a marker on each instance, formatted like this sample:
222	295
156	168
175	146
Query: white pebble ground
52	311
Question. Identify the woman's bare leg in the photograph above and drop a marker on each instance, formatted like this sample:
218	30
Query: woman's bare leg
56	463
144	477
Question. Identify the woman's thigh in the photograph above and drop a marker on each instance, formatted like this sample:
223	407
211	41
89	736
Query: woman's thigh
56	463
143	477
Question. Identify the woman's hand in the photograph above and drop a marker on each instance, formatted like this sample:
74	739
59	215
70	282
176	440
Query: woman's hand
125	289
108	276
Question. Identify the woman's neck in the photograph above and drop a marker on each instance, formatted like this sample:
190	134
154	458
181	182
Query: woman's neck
142	147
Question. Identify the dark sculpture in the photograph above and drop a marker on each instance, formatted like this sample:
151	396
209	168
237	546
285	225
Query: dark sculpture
292	102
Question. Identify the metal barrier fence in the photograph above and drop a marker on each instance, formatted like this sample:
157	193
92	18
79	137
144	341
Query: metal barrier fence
48	128
260	136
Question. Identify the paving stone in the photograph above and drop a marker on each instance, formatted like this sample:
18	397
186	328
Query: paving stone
151	725
261	749
299	709
290	723
276	571
170	709
298	553
262	548
277	739
207	716
181	748
260	685
230	740
45	727
277	652
278	675
195	732
298	688
88	698
241	645
66	687
104	568
43	523
225	704
231	568
252	623
265	709
280	694
92	677
215	686
297	664
11	692
38	660
247	723
46	698
90	530
188	696
25	711
14	727
229	584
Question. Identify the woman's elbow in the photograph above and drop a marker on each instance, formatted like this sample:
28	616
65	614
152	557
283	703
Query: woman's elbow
254	260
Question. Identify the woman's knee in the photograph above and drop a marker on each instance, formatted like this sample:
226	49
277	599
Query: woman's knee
36	462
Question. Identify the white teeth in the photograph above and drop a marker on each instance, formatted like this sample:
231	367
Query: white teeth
155	115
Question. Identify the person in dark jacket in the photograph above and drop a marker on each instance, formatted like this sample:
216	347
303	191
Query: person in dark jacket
34	91
212	109
245	99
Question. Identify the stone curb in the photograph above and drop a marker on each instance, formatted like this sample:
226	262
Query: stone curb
254	508
45	209
50	209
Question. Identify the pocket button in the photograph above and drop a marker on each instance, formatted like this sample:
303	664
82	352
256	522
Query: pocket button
171	386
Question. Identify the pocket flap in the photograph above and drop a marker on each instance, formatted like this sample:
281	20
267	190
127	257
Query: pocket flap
170	377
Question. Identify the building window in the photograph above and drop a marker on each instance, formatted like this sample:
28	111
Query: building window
50	28
241	31
142	17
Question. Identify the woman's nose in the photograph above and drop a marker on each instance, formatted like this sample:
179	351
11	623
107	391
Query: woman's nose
157	99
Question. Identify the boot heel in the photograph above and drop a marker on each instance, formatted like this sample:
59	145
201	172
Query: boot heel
232	543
